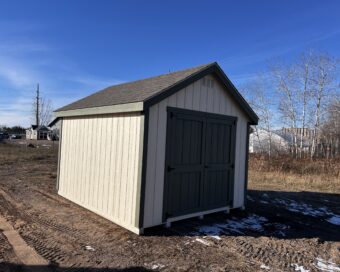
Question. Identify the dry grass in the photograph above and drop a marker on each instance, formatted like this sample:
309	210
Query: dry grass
287	174
282	173
15	153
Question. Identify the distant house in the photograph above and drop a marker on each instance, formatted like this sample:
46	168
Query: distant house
55	127
261	139
281	140
38	133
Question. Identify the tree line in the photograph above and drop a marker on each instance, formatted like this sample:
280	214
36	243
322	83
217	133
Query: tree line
298	101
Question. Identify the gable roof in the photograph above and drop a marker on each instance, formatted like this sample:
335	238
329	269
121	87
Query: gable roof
40	127
149	91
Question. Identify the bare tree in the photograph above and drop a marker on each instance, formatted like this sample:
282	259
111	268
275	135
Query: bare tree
45	114
260	100
303	68
41	109
286	86
324	76
330	130
306	103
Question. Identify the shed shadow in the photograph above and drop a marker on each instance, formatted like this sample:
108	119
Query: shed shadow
279	214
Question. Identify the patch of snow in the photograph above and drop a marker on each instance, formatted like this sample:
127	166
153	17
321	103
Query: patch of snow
335	219
89	248
281	233
250	198
265	195
280	228
236	225
264	202
305	209
215	237
266	267
157	266
214	230
252	222
327	266
300	268
202	241
301	207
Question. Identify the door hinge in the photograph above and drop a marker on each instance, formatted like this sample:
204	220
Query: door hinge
170	168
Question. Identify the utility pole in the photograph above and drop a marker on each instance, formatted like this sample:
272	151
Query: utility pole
37	107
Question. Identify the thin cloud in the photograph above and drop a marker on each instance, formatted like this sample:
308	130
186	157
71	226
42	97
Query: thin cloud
269	50
24	62
16	77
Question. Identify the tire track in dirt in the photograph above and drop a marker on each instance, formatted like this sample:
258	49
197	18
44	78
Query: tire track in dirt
35	217
6	250
35	232
277	254
24	253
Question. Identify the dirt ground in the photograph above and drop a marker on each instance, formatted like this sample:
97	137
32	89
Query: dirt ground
278	231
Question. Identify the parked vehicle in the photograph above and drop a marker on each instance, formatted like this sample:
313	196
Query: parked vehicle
15	136
4	135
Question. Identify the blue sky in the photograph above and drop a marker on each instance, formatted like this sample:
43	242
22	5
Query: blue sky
73	48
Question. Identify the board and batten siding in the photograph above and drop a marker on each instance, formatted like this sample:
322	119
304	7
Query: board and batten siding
100	164
206	95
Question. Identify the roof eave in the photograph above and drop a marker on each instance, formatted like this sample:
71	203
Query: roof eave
120	108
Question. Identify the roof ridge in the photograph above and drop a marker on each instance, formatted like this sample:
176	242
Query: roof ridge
160	75
146	92
184	79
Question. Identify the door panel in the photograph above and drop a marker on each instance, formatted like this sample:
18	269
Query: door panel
184	164
199	162
216	188
219	163
184	192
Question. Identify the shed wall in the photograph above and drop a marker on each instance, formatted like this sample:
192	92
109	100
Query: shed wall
100	164
206	95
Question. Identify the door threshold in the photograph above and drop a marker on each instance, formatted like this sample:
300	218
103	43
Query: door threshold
197	214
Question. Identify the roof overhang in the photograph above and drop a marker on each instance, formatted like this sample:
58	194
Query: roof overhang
141	106
121	108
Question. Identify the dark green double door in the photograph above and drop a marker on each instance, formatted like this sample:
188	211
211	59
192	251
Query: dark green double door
199	170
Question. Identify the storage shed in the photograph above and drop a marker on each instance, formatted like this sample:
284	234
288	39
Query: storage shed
157	150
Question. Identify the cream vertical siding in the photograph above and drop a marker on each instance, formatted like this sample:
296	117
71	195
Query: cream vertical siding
200	97
100	165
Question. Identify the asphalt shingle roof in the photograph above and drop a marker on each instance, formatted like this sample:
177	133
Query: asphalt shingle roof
135	91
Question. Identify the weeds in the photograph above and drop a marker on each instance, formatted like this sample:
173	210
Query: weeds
14	153
285	173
